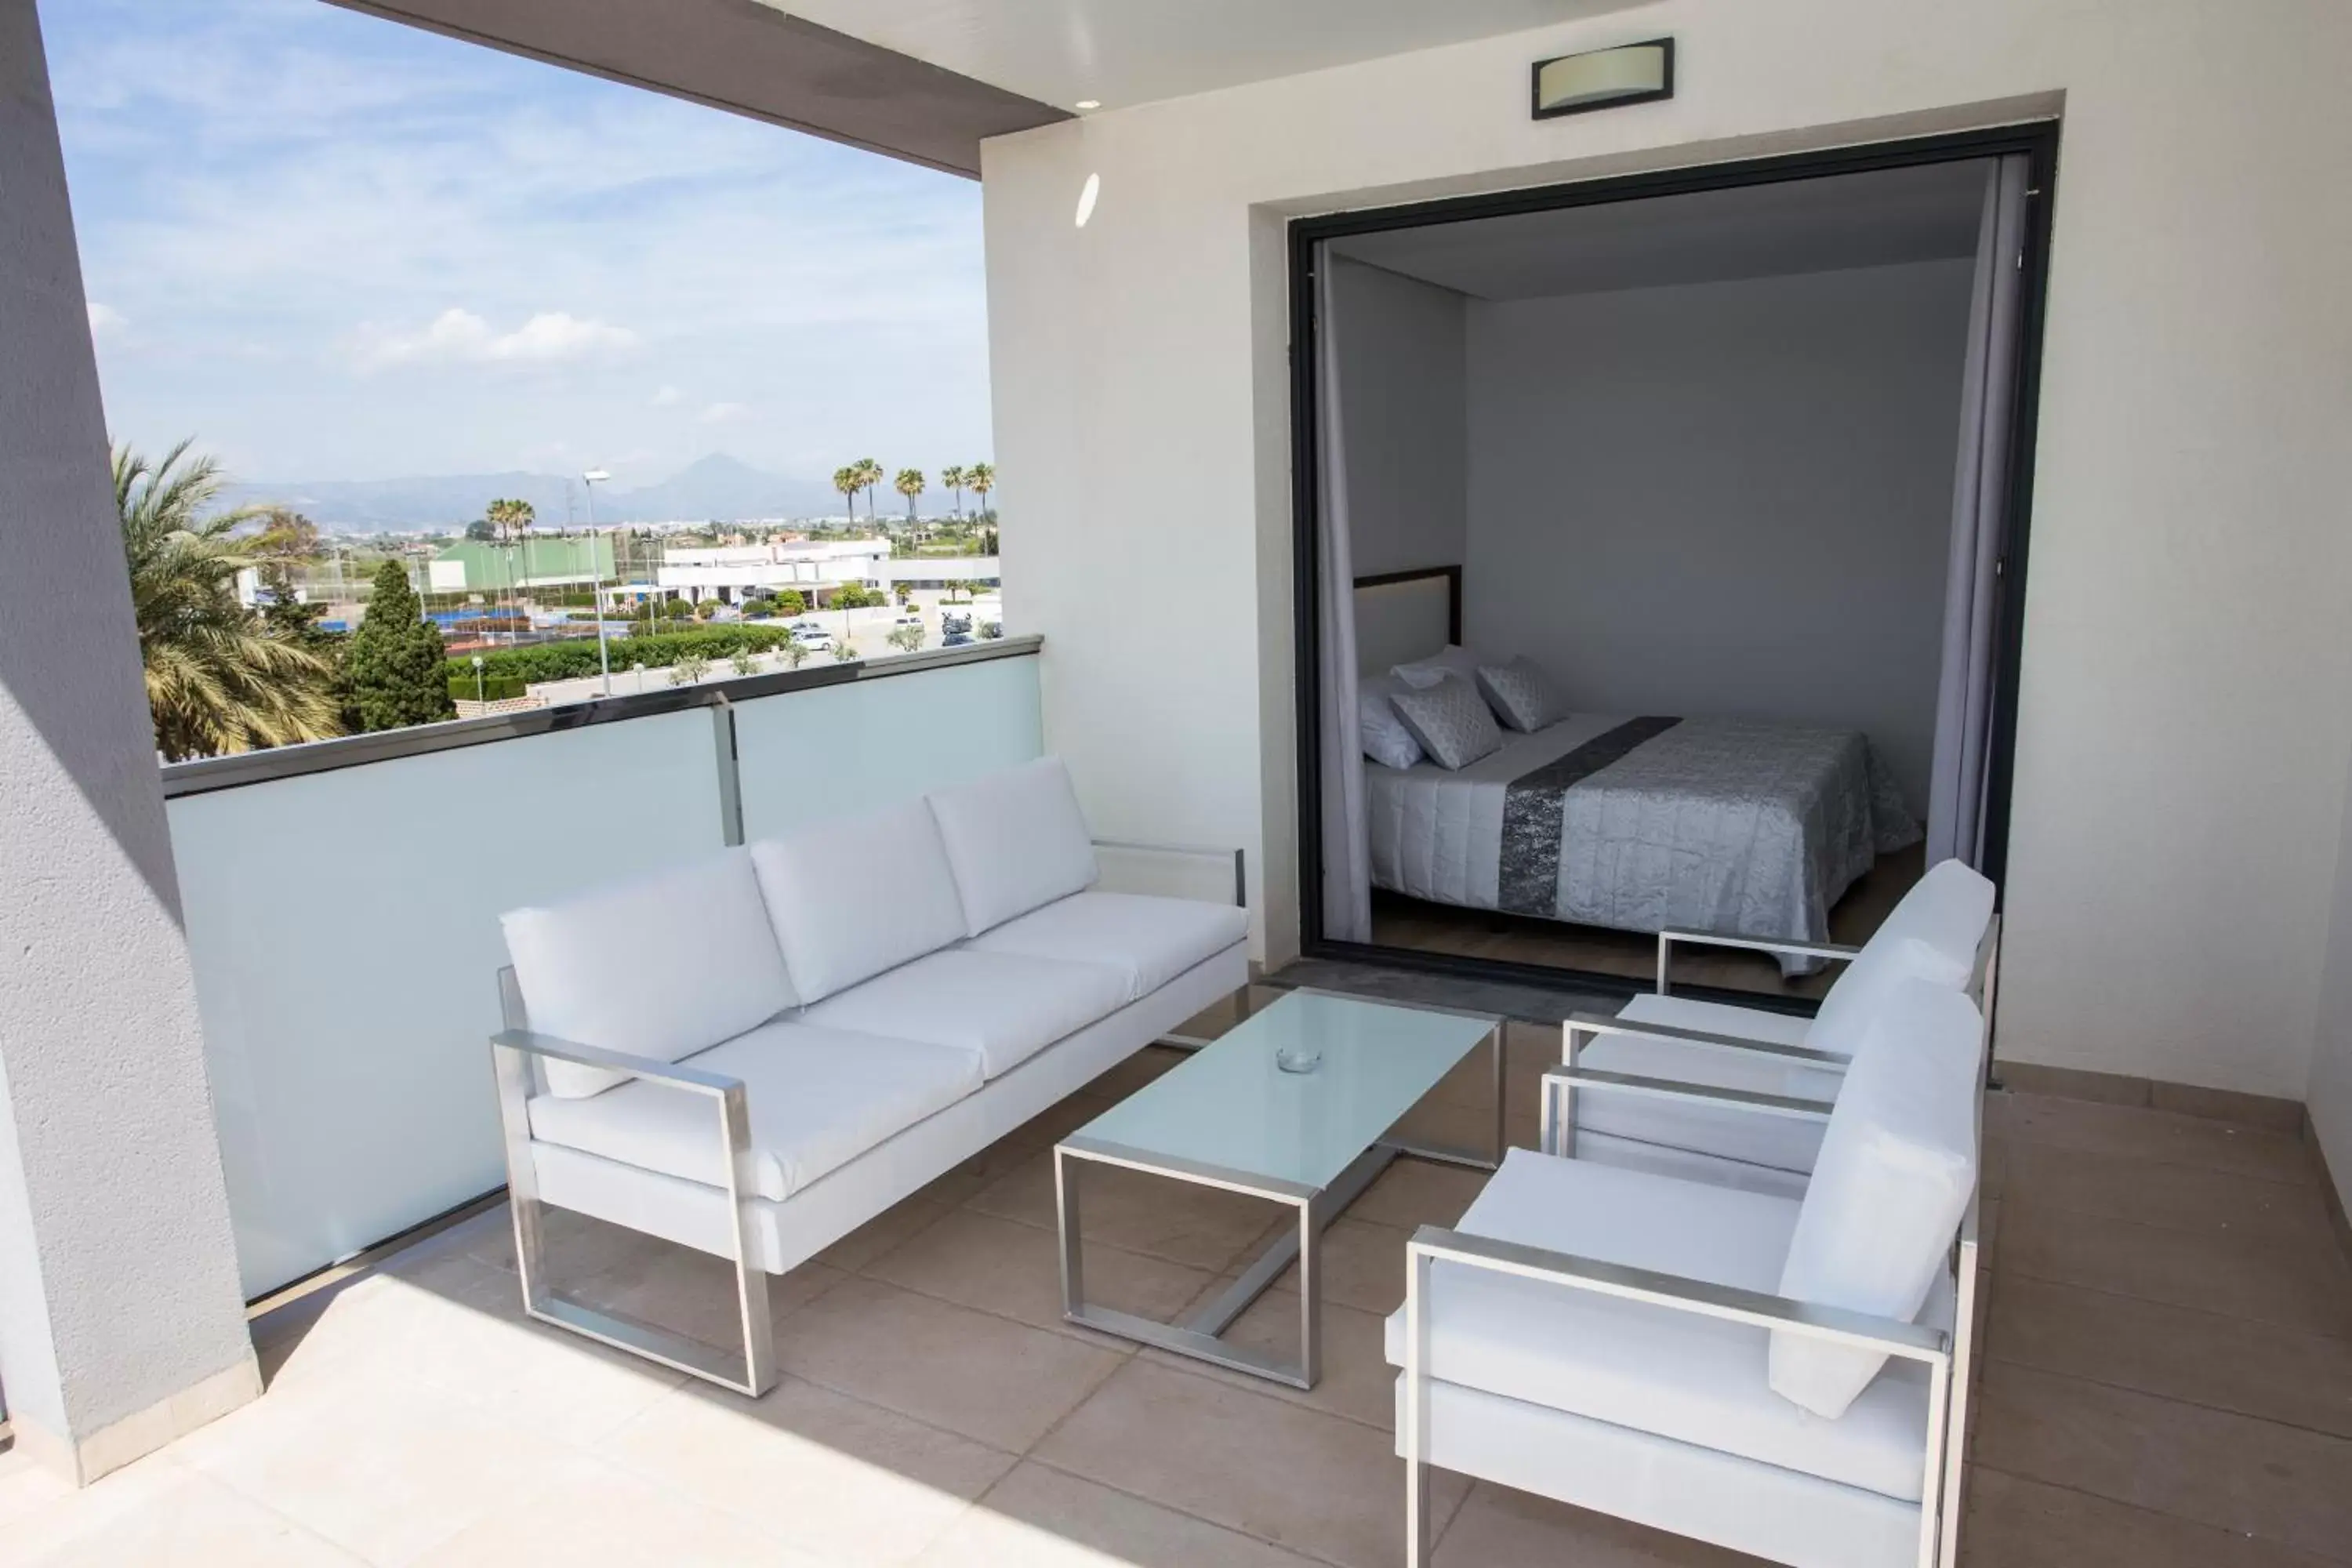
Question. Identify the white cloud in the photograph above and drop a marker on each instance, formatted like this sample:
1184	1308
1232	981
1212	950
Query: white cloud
667	397
720	413
460	337
105	321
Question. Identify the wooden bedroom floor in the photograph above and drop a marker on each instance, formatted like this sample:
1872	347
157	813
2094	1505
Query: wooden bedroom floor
1399	921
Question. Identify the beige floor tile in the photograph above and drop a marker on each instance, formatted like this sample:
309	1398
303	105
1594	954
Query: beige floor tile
1357	1383
1057	1121
999	1382
1413	1193
2175	1198
1469	1129
994	1164
1992	1176
2013	1523
2308	1288
2276	1483
1183	1221
2302	1380
878	1235
1363	1266
1014	1270
827	1474
1498	1527
2132	1133
1040	1518
1299	1479
195	1524
609	1519
693	1293
1143	1068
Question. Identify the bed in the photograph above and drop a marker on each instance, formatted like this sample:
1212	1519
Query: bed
1634	823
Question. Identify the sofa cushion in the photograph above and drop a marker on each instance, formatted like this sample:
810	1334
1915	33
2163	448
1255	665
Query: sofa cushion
1782	1142
662	966
816	1098
1652	1368
1017	841
1003	1007
856	896
1149	941
1896	1170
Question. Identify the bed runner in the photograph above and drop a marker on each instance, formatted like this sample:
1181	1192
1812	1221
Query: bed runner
1533	815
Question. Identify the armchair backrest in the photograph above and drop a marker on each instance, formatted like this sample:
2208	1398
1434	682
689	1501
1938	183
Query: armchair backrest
1933	933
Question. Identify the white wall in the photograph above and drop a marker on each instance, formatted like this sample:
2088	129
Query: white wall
2329	1098
1727	499
2183	752
1400	384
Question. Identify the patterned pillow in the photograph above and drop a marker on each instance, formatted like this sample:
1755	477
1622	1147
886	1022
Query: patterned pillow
1519	694
1451	721
1384	736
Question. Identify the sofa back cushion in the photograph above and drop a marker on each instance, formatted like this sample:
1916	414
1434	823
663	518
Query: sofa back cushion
854	896
1897	1165
1842	1022
1948	910
662	966
1017	841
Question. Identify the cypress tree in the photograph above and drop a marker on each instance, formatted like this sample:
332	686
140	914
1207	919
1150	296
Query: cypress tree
396	673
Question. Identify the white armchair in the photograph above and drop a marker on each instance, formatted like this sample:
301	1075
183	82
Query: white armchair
1782	1376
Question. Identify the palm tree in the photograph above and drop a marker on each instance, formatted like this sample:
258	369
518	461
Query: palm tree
953	480
981	478
910	483
847	480
218	678
869	474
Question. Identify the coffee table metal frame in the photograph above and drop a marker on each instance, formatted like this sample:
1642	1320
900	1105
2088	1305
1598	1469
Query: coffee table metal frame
1198	1336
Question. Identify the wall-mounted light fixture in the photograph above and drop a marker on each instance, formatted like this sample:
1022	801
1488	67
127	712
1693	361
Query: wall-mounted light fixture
1604	79
1087	195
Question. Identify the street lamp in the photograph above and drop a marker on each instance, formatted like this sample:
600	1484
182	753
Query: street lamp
478	680
589	481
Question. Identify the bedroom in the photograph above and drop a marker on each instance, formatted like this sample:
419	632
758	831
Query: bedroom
1713	484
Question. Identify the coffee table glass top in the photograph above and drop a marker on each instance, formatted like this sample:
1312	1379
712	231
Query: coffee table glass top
1230	1108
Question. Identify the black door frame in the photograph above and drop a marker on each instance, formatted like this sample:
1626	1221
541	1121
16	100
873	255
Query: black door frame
2037	140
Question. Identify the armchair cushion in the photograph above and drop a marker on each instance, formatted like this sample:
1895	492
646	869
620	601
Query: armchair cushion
1676	1375
816	1100
1949	908
1001	1007
659	966
1148	940
1897	1168
854	896
1017	841
1860	994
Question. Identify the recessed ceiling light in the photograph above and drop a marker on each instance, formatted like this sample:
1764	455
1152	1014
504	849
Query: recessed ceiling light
1090	103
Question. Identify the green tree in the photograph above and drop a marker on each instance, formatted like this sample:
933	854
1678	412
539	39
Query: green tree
218	677
869	474
906	639
791	603
845	651
849	482
979	479
688	668
795	653
910	483
953	478
396	674
483	529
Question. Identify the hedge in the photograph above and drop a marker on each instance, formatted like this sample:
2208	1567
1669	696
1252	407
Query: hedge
492	689
577	656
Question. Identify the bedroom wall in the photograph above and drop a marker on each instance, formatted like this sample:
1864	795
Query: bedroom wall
1724	499
2183	735
1401	368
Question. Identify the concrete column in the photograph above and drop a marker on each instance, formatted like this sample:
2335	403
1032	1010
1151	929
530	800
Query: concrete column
120	1324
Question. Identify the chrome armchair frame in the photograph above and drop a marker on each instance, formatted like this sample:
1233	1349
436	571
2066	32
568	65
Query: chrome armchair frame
515	1052
1982	984
1948	1356
1557	1097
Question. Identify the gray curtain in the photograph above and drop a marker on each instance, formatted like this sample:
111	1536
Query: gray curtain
1347	850
1955	796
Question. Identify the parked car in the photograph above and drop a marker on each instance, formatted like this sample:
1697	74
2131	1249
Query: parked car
816	639
954	630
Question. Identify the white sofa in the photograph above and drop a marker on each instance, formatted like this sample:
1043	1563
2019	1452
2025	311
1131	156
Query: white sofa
756	1053
1784	1376
1618	1097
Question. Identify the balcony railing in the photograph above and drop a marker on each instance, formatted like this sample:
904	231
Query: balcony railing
342	901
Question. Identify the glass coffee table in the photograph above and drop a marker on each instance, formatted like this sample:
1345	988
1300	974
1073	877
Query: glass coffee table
1236	1115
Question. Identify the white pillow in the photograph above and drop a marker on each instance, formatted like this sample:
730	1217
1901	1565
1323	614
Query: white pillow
1521	695
1452	659
1384	736
1949	908
1451	722
659	966
1897	1164
1017	841
854	896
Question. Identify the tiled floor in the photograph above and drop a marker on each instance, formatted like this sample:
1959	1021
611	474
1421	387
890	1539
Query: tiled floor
2169	1382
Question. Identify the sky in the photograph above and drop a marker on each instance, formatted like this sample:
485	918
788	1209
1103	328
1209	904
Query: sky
330	247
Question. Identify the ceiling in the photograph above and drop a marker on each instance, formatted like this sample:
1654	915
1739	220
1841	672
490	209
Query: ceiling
1875	219
1124	52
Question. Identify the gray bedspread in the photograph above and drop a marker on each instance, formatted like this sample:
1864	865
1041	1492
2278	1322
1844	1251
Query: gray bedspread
1718	825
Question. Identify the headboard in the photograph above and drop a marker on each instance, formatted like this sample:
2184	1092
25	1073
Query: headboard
1405	616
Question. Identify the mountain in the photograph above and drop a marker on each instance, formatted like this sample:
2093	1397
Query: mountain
716	487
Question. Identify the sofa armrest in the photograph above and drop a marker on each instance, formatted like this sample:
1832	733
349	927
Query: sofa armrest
530	1043
1580	1025
1241	878
1837	953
